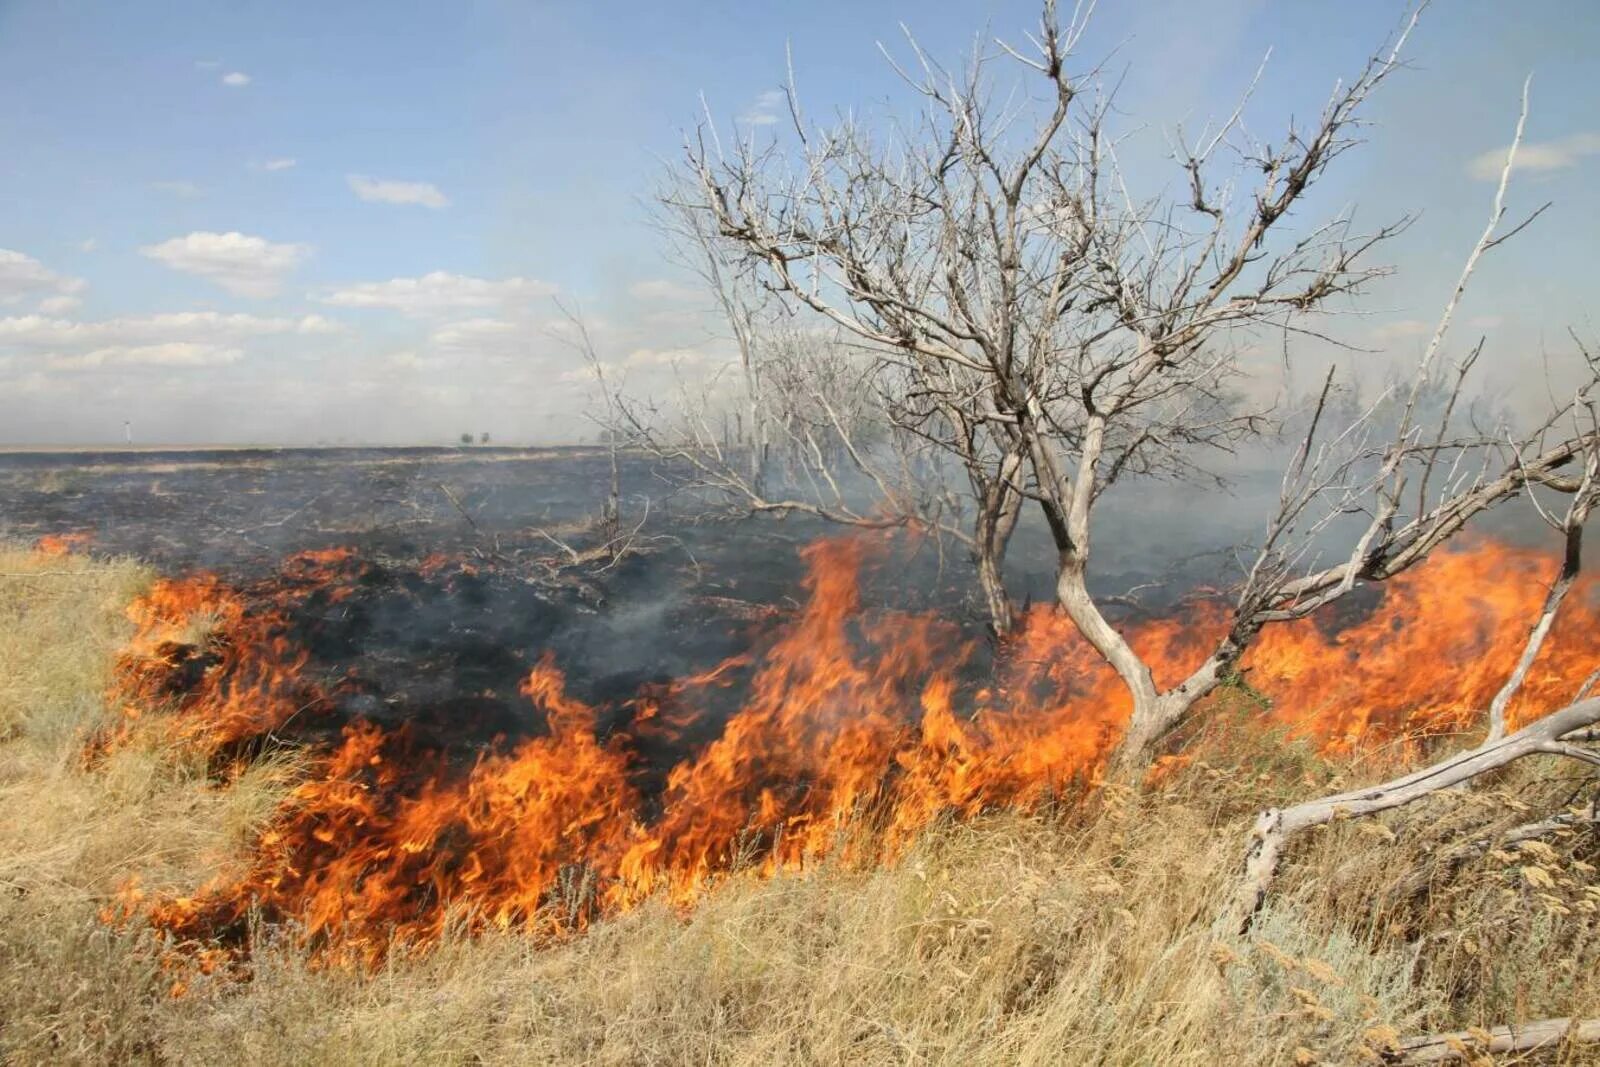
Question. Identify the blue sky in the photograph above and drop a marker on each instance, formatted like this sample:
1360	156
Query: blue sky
294	222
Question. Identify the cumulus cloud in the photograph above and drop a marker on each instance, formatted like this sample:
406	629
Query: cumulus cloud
663	290
42	334
491	337
171	354
24	278
177	341
411	360
673	319
286	163
59	305
438	293
379	191
1536	156
236	79
241	264
766	109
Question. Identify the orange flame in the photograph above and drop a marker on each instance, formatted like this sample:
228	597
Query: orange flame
64	543
230	667
847	718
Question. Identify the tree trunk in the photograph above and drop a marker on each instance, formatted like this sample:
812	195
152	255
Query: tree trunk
995	597
758	440
1000	506
1153	717
1153	712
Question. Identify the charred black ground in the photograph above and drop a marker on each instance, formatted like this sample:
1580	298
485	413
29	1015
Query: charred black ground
450	598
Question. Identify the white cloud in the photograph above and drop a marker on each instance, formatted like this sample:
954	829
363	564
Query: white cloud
665	291
38	333
1485	322
438	292
286	163
236	79
88	244
171	354
32	383
177	341
378	191
588	374
59	305
410	360
673	319
494	337
1536	156
241	264
24	278
765	110
181	189
317	324
593	325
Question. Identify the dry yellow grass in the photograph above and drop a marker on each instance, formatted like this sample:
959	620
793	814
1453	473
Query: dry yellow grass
1065	937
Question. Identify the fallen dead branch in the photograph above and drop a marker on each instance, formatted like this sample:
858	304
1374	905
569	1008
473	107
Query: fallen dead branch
1573	821
1552	735
1465	1045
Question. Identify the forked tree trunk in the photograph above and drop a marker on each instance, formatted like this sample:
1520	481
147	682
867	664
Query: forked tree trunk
1571	562
1154	713
1000	505
1151	719
1155	717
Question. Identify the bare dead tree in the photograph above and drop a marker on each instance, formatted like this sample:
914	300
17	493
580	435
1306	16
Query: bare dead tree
579	339
840	443
1417	484
1061	336
858	443
617	540
740	303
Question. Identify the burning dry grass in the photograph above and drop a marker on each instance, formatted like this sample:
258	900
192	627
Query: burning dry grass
1060	936
838	712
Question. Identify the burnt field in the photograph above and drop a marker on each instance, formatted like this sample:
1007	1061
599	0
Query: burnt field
467	556
237	510
467	562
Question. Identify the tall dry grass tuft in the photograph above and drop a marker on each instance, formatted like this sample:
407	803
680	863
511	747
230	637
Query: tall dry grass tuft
1083	934
71	988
